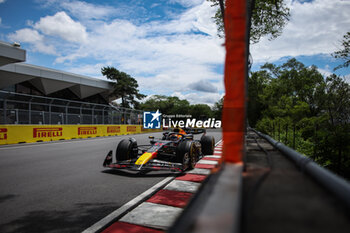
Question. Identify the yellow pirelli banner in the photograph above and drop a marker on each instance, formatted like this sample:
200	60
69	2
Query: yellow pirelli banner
12	134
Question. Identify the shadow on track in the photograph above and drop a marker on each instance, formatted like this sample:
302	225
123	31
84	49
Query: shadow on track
149	174
76	219
7	197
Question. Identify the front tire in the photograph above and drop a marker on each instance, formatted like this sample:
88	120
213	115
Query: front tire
127	149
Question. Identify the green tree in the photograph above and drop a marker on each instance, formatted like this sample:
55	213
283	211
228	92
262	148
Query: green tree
166	104
295	80
125	87
172	105
268	18
217	108
344	53
298	106
257	83
201	111
338	108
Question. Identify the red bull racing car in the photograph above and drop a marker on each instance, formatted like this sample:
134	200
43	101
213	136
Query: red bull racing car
175	151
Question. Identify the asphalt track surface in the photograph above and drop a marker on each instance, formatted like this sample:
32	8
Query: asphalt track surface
62	186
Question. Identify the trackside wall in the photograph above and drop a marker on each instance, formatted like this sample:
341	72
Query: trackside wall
12	134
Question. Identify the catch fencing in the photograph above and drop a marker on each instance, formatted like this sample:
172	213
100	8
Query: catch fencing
16	108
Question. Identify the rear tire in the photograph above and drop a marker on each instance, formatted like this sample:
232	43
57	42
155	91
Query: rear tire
184	154
208	144
127	149
193	161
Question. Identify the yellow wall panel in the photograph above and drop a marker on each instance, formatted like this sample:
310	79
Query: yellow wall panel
12	134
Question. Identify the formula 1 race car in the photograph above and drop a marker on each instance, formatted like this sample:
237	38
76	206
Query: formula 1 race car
175	151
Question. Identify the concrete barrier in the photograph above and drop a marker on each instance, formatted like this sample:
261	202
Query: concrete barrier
12	134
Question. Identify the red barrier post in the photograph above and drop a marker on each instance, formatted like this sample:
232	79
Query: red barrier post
235	78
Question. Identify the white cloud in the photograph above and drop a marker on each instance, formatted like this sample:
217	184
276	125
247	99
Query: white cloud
195	19
89	70
27	35
63	26
187	3
2	1
325	72
315	27
199	98
33	37
203	86
347	78
84	10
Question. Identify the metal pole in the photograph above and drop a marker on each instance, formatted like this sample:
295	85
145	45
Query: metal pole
92	114
30	111
17	118
103	115
81	113
5	110
110	114
50	112
67	112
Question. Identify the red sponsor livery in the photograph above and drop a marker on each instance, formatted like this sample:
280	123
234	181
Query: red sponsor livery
131	128
3	133
47	132
87	130
113	129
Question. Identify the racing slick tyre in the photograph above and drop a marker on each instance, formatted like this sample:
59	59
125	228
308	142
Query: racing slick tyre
208	144
127	149
185	154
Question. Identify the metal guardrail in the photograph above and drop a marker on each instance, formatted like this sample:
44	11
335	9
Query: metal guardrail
16	108
335	184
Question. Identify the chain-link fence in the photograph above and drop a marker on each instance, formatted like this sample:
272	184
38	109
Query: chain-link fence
18	108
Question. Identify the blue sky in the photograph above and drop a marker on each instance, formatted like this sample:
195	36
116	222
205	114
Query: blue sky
169	46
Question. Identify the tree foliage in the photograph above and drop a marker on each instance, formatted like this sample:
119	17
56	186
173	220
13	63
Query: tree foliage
297	105
125	87
268	18
344	53
168	105
172	105
217	109
201	111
